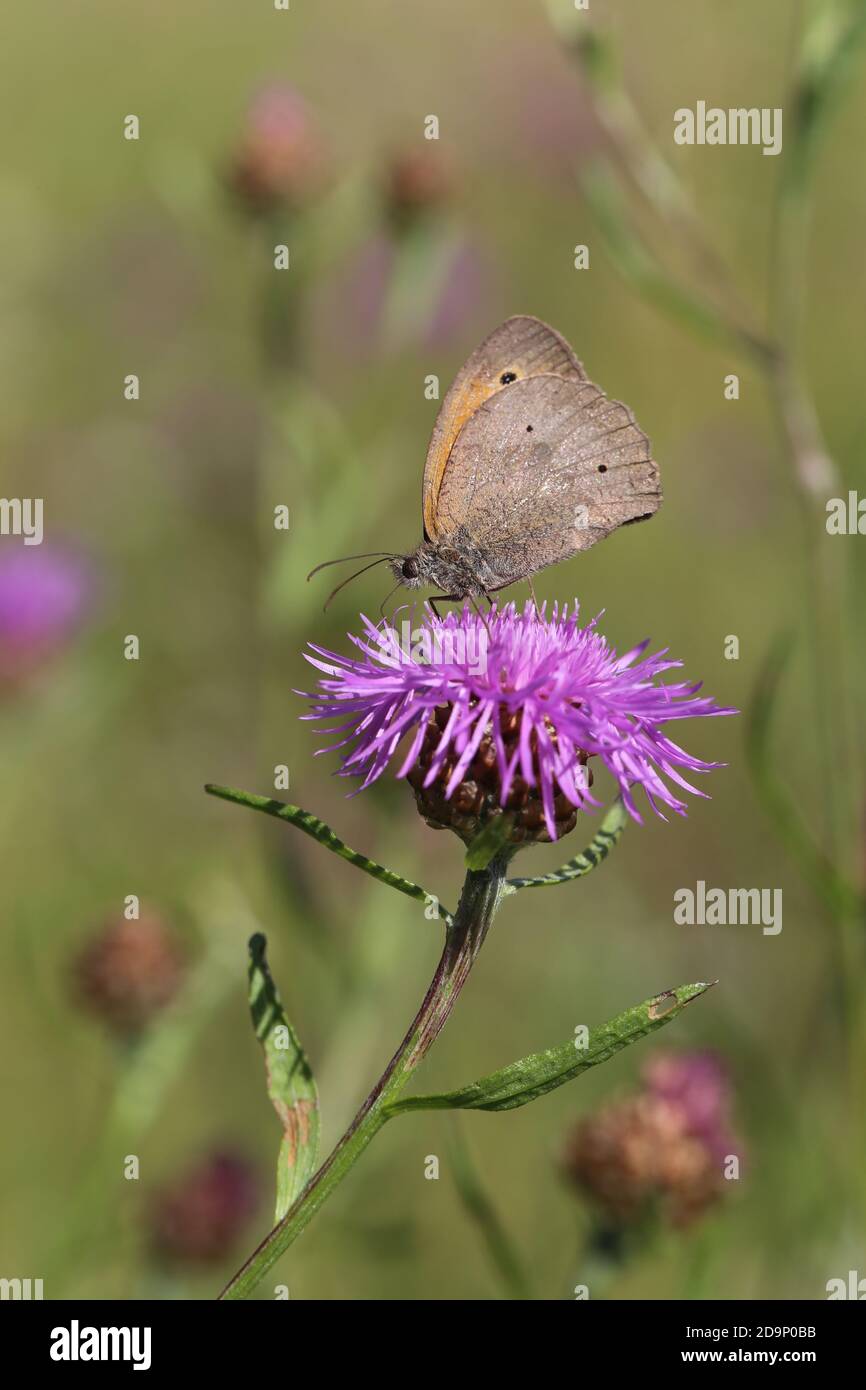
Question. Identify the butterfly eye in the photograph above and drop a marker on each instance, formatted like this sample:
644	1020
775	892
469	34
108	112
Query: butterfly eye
507	378
410	568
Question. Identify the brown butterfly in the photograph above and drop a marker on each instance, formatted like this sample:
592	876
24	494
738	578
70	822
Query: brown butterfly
528	463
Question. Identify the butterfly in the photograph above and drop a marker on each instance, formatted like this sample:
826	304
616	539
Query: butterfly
528	463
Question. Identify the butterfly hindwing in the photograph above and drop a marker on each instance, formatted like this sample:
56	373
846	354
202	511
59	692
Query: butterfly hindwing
543	469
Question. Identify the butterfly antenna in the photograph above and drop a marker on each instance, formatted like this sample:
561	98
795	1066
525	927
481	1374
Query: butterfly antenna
386	554
362	570
385	600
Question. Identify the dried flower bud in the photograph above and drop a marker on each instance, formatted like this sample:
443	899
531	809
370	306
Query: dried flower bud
281	159
417	182
128	972
478	796
661	1150
198	1217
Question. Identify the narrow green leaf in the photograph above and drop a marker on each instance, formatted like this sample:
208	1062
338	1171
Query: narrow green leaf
607	835
318	830
489	841
534	1076
291	1085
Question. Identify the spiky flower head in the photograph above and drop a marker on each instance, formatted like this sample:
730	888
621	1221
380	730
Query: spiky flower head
501	713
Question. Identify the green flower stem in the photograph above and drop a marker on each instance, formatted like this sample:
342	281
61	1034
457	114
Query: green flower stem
465	935
323	833
598	849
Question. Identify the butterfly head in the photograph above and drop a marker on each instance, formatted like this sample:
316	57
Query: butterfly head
412	570
455	571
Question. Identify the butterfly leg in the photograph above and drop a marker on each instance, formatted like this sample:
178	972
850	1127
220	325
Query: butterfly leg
532	591
475	605
441	598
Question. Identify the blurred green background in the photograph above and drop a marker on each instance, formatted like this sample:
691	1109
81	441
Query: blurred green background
120	257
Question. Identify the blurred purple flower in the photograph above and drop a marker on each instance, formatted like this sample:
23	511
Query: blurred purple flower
198	1217
699	1085
451	289
515	699
461	292
45	593
419	241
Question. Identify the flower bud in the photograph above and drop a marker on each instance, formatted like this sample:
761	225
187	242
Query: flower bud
128	972
660	1151
198	1217
280	161
478	796
417	182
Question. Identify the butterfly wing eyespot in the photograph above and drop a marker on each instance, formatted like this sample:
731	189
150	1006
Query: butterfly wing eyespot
507	378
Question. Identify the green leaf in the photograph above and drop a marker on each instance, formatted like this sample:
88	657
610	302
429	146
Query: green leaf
489	841
291	1085
318	830
596	852
534	1076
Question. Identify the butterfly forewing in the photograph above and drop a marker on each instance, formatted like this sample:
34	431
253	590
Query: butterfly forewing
521	348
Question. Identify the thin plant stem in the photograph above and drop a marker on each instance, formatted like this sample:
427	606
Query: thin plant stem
464	937
501	1249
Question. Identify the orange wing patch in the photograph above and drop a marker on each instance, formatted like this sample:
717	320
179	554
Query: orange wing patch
472	396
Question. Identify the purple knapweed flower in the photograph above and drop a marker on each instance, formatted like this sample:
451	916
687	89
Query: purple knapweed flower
503	712
44	595
664	1147
699	1085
